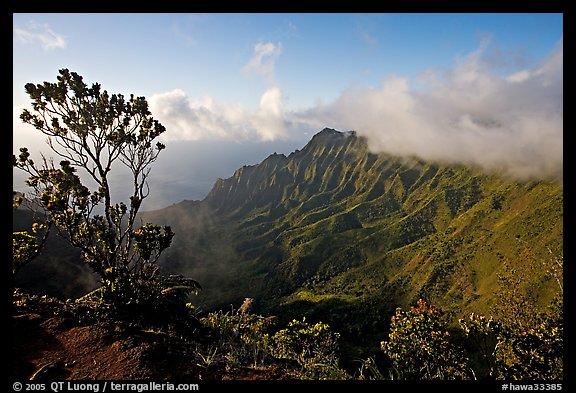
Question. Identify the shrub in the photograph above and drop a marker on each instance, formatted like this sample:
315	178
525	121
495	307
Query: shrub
312	346
242	335
513	352
419	345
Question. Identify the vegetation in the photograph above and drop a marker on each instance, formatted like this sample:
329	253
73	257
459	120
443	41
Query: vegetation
332	234
309	351
26	247
509	352
89	129
419	345
347	237
337	234
242	336
313	347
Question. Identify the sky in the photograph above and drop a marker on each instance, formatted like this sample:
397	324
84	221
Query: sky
479	89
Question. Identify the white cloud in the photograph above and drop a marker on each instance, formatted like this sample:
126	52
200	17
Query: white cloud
468	114
270	121
519	76
205	119
42	34
263	62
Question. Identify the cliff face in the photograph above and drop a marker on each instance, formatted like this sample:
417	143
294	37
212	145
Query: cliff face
278	177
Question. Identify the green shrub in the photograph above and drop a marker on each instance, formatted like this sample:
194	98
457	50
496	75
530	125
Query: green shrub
312	346
419	345
243	336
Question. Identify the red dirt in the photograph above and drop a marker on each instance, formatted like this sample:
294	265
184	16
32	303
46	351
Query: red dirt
56	348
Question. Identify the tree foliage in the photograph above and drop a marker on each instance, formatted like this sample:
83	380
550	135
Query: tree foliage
511	352
91	130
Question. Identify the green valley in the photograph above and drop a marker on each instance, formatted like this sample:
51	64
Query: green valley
339	234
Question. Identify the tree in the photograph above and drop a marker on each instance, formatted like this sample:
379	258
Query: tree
89	129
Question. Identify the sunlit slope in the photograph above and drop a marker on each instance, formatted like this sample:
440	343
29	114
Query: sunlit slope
336	231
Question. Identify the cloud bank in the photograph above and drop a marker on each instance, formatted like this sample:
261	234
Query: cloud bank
466	115
469	114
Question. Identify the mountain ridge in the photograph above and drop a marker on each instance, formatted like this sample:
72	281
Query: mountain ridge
335	233
332	227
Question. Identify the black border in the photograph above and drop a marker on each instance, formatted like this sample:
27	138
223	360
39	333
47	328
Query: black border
327	6
259	6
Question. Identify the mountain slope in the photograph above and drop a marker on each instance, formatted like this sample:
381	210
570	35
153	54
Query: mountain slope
346	236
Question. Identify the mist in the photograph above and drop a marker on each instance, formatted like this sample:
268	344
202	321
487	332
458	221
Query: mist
467	115
187	170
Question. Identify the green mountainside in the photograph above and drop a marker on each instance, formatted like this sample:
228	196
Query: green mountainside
345	236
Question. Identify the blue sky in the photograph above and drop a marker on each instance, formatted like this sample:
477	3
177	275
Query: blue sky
273	80
322	54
